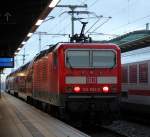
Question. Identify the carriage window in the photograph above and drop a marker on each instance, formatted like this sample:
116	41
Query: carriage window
76	58
124	74
143	73
104	59
133	73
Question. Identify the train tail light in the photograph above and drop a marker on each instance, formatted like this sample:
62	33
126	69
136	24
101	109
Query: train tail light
105	89
76	89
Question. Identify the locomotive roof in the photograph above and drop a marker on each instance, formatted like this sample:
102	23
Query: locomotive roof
52	47
44	52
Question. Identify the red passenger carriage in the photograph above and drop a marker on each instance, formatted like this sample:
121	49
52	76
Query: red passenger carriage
136	87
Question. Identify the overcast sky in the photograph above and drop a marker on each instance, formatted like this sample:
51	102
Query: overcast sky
126	16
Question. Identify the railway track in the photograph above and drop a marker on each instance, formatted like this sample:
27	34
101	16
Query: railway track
120	128
104	132
96	130
129	129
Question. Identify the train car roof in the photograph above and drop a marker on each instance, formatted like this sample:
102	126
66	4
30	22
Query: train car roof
44	52
84	43
53	47
38	56
20	69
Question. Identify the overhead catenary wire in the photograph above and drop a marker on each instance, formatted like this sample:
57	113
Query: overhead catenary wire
57	16
101	24
128	11
99	18
136	20
118	11
89	17
97	33
64	28
72	12
92	4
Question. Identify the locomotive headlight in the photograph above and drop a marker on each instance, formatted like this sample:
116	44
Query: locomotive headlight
105	89
77	89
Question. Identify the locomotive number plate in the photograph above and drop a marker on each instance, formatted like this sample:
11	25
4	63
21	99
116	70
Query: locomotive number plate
91	80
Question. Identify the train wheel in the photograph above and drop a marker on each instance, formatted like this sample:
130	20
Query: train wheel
16	94
54	111
28	99
57	112
48	110
44	106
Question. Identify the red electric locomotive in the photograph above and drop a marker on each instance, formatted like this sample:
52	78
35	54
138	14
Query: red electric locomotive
81	78
74	78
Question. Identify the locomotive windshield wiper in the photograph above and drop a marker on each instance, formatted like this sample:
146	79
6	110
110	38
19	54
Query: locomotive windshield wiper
68	62
112	67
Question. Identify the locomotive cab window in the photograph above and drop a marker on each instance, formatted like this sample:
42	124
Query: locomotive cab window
104	59
90	59
76	58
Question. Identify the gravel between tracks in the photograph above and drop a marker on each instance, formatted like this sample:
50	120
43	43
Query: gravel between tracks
130	129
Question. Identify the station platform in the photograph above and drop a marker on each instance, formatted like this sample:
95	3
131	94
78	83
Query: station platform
18	119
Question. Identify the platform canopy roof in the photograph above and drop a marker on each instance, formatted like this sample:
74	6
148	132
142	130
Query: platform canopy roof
17	19
133	40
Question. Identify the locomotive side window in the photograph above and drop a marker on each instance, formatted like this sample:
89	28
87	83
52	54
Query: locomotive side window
78	58
104	59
